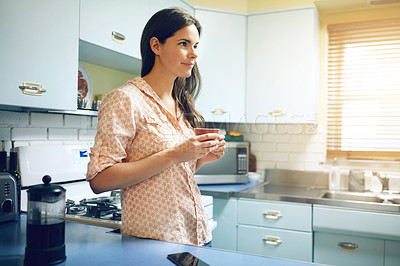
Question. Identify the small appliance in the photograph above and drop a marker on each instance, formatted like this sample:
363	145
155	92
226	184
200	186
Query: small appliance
8	198
231	168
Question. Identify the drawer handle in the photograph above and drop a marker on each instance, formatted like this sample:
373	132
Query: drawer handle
273	240
277	113
273	215
347	246
218	112
31	88
118	37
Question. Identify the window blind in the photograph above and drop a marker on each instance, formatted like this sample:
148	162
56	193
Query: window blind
363	90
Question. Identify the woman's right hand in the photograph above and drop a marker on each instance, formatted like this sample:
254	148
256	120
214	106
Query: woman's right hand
196	147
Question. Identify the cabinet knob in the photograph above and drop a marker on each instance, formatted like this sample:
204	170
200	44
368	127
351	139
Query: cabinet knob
118	37
272	215
218	111
31	88
347	246
272	240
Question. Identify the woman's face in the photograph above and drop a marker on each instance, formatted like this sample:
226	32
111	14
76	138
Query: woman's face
177	54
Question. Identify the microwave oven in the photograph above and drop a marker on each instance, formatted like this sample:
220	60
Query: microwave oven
230	169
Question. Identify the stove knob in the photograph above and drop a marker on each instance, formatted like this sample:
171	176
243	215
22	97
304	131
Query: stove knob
7	205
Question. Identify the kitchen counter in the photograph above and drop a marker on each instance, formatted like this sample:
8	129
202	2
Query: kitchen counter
224	190
95	245
291	190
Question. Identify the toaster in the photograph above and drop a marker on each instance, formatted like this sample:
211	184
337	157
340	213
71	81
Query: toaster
8	198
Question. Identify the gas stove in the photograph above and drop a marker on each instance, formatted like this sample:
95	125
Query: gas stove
67	167
103	210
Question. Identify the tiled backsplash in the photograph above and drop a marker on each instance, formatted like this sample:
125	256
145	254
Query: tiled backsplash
280	146
46	128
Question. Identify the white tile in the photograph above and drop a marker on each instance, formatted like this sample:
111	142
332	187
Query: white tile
290	166
95	122
63	134
275	138
87	134
46	120
306	157
262	165
20	119
262	146
275	156
5	133
29	133
315	147
77	121
290	147
252	137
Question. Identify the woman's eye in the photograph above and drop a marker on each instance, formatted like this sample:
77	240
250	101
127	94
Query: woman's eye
184	44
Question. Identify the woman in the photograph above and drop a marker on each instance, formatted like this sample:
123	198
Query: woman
145	143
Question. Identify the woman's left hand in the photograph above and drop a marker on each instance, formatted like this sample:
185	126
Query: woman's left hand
214	155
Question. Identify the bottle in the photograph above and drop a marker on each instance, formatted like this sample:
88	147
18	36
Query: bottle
14	172
3	158
335	176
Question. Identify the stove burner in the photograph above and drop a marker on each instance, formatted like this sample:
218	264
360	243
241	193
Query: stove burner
117	215
77	210
105	208
72	208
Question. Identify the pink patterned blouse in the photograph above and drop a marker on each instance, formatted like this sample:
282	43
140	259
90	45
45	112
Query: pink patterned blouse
134	124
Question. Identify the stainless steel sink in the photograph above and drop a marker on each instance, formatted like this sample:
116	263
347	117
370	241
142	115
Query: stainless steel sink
363	196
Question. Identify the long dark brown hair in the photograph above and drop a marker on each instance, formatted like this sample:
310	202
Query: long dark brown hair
163	25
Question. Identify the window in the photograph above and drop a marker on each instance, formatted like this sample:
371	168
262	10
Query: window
363	95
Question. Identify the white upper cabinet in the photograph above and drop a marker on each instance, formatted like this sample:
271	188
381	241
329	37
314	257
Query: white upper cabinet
283	66
39	45
156	5
222	65
110	31
115	25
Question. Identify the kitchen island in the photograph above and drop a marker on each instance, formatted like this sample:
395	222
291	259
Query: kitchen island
95	245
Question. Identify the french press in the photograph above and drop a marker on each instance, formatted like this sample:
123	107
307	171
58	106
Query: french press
45	234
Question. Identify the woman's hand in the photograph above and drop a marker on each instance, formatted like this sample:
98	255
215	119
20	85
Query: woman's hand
199	146
213	155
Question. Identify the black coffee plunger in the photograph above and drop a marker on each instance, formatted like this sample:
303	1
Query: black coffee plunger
45	233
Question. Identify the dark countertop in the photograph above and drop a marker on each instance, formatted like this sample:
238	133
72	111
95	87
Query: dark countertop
94	245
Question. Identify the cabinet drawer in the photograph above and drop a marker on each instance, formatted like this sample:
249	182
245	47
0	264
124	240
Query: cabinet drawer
275	242
392	253
358	251
277	215
374	224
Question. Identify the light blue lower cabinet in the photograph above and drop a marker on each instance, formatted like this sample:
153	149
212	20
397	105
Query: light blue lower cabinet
392	253
338	249
225	213
273	242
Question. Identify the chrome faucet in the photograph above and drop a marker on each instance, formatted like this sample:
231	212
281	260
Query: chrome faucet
384	180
